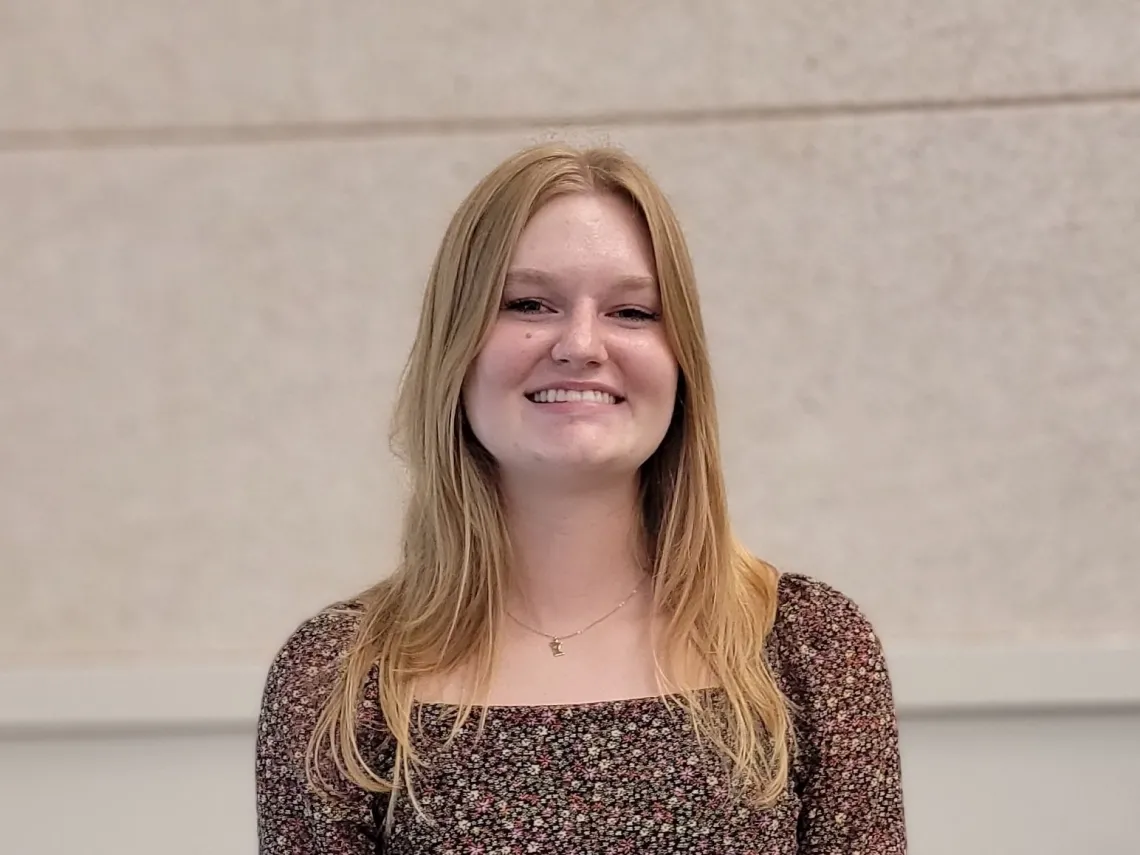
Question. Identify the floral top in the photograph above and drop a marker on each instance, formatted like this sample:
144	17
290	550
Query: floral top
603	777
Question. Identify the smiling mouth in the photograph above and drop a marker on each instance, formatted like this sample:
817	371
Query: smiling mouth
562	396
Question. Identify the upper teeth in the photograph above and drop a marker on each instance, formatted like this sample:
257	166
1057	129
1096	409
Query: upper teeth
550	396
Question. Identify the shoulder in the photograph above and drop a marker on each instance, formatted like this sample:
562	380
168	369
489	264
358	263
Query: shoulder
821	637
320	642
293	808
305	668
809	608
322	638
846	764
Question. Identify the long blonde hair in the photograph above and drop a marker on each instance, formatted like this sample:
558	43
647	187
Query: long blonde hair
443	605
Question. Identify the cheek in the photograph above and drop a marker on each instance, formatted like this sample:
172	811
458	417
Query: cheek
505	352
479	404
657	370
476	384
669	390
497	375
499	367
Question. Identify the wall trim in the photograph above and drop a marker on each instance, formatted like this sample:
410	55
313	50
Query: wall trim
927	681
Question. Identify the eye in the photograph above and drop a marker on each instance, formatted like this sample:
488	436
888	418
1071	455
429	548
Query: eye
525	306
643	316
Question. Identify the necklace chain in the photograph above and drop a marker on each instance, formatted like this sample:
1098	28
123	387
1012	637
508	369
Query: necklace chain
556	640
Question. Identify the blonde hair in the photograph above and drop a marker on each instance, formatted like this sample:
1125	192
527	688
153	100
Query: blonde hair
443	605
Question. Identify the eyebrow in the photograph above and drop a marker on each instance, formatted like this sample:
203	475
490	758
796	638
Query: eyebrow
530	276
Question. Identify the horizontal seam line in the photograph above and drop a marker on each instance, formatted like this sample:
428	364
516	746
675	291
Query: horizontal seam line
34	140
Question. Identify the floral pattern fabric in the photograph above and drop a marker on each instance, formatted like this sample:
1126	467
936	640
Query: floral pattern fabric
602	777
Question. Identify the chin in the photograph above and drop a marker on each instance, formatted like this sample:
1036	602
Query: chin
588	468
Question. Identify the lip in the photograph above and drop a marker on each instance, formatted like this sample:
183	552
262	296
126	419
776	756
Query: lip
577	386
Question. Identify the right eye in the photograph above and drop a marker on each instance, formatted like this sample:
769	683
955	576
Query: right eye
525	306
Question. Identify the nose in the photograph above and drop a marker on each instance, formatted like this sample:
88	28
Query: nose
581	341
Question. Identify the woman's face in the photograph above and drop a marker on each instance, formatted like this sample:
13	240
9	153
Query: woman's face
576	377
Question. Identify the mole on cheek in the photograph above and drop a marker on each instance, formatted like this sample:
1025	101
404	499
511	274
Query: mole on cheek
529	334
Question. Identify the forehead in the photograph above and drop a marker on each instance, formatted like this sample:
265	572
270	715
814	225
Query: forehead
584	234
548	280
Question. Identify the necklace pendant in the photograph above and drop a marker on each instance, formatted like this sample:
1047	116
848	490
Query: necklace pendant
556	647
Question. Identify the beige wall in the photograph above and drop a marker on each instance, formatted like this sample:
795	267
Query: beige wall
916	224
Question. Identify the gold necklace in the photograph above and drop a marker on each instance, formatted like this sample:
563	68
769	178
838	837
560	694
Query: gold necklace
556	640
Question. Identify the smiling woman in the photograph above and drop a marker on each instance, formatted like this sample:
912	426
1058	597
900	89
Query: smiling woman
576	378
568	575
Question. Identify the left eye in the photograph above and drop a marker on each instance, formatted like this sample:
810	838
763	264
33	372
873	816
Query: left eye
637	315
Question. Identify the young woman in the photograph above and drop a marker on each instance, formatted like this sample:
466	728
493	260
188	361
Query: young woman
574	655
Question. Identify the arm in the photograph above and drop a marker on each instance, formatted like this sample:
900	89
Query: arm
291	818
851	788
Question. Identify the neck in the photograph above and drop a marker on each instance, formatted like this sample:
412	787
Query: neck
576	553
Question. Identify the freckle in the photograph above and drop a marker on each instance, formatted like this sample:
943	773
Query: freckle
528	335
